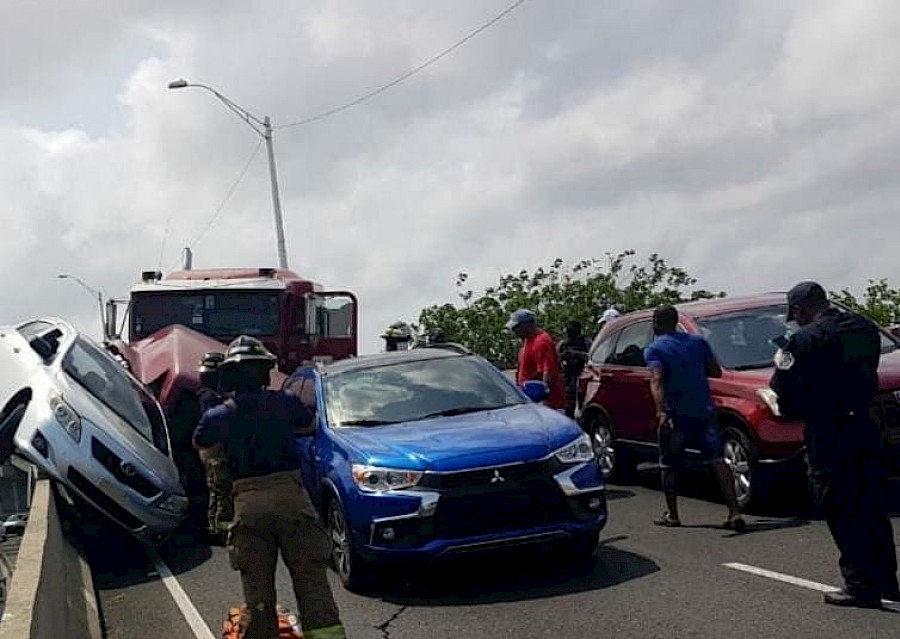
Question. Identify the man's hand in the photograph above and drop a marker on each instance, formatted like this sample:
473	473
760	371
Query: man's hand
663	421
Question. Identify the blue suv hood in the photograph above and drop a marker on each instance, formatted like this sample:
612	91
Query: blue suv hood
489	438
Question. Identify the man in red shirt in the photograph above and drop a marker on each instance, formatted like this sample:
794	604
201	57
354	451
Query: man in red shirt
538	359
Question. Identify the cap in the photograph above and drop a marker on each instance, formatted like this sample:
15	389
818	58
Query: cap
521	316
804	292
609	315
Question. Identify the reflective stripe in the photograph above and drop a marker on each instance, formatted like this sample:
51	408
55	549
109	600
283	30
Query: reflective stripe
329	632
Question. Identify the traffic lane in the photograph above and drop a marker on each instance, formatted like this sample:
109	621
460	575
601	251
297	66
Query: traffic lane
785	536
644	581
691	594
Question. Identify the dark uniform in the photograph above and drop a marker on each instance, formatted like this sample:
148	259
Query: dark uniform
273	512
826	375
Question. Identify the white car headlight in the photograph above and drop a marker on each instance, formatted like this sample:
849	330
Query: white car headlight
66	417
175	504
371	479
770	399
577	452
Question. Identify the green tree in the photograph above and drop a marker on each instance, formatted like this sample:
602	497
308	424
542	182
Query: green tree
557	294
881	302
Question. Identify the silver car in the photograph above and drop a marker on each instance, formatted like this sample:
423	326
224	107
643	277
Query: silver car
74	411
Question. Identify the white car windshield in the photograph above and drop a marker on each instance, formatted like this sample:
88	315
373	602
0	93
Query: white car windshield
109	382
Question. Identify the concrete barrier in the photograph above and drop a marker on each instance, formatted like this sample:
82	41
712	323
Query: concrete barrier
52	590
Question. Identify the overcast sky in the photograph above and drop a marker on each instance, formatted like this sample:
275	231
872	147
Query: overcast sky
753	144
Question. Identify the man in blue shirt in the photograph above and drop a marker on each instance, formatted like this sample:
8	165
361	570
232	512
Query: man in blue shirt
680	365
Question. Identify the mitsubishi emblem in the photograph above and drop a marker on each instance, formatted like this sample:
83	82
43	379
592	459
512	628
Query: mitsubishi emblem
497	478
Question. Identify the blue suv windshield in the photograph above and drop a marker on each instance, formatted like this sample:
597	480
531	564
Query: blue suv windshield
411	391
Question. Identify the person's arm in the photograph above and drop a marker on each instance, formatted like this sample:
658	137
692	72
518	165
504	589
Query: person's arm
301	411
209	431
547	362
713	368
657	385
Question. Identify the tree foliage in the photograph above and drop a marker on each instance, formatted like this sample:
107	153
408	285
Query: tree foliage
881	302
558	294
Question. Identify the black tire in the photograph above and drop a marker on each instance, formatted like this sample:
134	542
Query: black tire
353	571
615	461
8	427
740	454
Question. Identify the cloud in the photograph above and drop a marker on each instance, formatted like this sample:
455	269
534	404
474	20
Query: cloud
753	144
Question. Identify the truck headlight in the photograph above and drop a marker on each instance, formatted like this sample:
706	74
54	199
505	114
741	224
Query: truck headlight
577	452
66	417
770	399
371	479
174	504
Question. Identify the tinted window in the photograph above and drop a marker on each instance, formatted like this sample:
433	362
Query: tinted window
107	380
412	391
222	314
633	339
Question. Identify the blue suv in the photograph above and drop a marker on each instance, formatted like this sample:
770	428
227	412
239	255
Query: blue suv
430	453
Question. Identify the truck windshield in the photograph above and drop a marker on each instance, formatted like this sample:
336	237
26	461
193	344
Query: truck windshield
215	313
108	381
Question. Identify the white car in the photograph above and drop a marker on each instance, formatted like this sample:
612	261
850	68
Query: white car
75	412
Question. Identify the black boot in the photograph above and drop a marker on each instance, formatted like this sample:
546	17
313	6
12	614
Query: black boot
846	599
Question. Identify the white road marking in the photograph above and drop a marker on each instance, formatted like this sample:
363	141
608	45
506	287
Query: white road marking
797	581
184	603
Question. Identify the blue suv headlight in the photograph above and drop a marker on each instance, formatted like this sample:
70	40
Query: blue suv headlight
577	452
372	479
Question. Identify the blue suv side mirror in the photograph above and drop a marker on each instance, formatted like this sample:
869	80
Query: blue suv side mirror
536	391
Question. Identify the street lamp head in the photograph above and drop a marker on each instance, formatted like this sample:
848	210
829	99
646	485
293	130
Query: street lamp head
178	84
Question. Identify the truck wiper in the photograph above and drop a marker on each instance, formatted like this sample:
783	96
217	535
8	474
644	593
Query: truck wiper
747	367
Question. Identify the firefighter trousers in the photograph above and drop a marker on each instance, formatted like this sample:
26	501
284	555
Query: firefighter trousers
273	514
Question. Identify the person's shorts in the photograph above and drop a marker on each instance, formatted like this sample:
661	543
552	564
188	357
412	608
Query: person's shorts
692	439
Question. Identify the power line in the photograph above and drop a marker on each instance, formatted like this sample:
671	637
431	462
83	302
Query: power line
228	195
371	94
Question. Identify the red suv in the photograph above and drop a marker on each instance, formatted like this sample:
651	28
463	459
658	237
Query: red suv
616	409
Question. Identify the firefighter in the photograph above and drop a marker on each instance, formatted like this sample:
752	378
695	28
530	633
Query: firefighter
826	375
272	511
218	482
398	336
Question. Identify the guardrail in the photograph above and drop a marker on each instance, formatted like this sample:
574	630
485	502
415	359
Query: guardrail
52	590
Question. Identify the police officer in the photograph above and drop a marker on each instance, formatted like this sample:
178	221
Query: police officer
273	512
221	507
826	375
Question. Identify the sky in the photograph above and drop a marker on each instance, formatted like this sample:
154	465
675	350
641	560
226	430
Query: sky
754	144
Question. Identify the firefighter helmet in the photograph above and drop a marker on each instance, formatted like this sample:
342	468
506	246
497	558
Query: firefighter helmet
211	362
247	349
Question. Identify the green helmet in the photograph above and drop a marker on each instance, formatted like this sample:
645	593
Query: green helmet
211	362
247	349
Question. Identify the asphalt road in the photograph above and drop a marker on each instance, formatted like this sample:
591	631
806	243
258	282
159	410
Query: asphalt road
643	582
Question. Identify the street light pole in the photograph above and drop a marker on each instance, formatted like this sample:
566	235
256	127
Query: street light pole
92	291
263	128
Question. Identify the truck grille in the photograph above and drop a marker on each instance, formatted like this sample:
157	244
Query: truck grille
102	501
113	463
